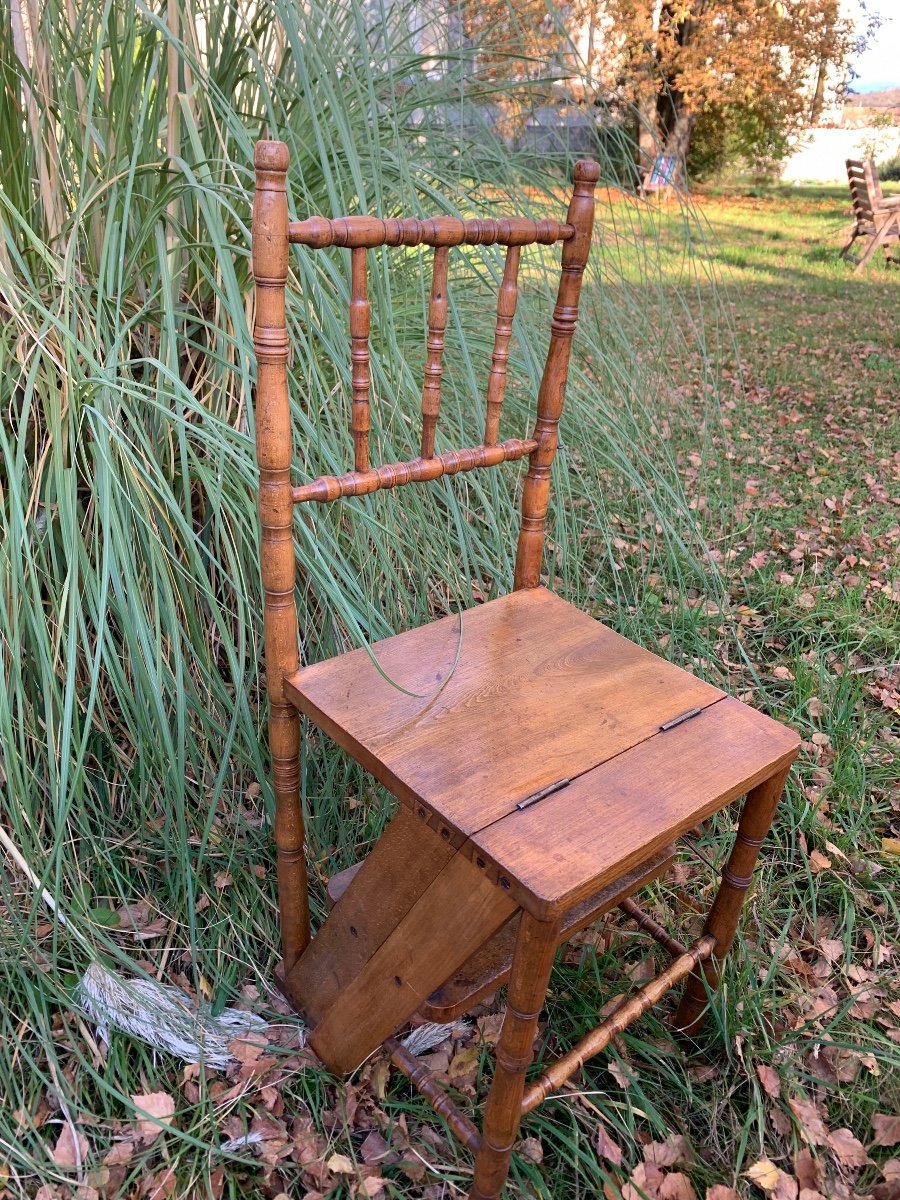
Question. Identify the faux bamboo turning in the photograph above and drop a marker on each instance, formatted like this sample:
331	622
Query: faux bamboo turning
417	470
276	514
552	394
623	1016
319	232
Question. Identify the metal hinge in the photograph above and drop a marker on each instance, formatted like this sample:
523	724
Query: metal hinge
685	716
545	791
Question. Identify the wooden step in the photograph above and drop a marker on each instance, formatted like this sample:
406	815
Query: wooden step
489	968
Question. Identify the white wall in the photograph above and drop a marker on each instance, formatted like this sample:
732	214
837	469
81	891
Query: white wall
821	153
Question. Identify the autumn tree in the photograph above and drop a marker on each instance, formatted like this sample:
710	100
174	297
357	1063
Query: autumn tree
737	72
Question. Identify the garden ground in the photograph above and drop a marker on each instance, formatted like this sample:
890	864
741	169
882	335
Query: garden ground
796	1085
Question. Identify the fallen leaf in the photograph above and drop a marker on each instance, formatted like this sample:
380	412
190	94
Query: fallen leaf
531	1149
606	1147
119	1154
808	1170
887	1129
645	1181
773	1180
464	1063
810	1121
374	1149
832	948
676	1186
71	1149
818	861
890	845
340	1164
768	1077
848	1149
154	1104
674	1151
720	1191
248	1047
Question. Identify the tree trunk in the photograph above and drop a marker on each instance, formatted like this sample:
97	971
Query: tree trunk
678	143
818	100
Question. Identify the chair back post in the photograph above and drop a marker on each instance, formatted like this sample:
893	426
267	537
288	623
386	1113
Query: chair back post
273	453
551	396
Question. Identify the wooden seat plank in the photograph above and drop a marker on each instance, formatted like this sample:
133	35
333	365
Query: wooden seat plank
540	692
556	852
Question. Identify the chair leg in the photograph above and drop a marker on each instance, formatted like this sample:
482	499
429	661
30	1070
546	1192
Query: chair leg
883	232
845	253
532	963
756	817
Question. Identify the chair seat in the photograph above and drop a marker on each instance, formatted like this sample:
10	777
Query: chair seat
630	750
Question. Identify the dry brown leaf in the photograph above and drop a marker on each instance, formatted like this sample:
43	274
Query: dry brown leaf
832	948
119	1154
676	1186
819	861
372	1185
374	1149
531	1149
720	1191
848	1149
674	1151
606	1147
71	1149
770	1080
810	1120
464	1063
644	1184
340	1164
159	1186
786	1188
248	1048
890	846
772	1180
808	1170
155	1104
887	1129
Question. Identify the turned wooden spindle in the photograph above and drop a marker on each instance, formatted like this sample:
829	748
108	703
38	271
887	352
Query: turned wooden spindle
536	944
319	232
721	923
360	321
434	364
506	310
551	396
273	453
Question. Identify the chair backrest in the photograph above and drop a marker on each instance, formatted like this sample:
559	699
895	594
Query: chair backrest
865	200
273	234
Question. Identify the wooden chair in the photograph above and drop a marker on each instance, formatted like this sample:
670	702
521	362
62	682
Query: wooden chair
876	217
549	778
661	180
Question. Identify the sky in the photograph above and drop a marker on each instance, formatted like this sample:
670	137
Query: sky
879	64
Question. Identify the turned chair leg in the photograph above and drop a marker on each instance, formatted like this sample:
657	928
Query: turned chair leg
532	963
756	818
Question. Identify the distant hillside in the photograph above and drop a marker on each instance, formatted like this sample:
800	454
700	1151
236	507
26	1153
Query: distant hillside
888	98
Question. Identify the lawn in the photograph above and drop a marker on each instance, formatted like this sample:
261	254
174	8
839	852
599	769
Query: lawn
777	416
